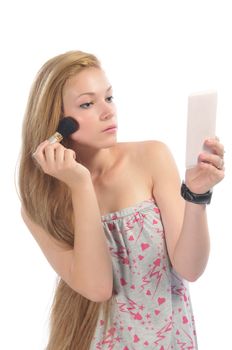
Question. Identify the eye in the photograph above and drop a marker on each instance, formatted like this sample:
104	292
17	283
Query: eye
86	105
109	99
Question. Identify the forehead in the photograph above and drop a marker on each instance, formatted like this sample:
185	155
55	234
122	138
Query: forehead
89	80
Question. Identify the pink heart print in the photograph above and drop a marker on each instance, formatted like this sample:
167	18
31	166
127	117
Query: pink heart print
145	246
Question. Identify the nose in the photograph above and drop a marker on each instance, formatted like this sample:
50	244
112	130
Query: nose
107	112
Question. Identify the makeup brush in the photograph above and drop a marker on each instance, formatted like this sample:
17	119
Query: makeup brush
66	127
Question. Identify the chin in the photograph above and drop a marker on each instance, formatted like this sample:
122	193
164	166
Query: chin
108	144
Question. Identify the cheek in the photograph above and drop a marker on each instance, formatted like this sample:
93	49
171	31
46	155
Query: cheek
86	130
86	125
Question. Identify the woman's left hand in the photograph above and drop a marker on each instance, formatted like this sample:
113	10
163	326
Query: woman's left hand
209	170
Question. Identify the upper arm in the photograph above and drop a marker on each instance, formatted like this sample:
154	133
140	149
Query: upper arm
61	258
58	255
166	191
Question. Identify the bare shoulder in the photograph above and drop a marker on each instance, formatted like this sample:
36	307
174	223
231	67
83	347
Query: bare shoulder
152	147
148	153
157	158
144	148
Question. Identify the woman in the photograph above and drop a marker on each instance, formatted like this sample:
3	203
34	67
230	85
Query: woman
109	217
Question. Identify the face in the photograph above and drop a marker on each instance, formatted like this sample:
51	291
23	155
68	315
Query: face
87	97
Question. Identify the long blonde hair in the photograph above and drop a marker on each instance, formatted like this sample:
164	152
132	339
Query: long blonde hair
73	318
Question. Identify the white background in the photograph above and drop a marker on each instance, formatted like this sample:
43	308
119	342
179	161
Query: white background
155	53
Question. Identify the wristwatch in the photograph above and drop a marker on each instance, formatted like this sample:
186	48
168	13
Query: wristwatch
189	196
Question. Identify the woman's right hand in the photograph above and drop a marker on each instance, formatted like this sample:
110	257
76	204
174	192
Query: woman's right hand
60	162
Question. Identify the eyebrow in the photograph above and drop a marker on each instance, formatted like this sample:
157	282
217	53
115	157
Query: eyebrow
92	93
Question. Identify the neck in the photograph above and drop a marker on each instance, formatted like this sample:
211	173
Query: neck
97	161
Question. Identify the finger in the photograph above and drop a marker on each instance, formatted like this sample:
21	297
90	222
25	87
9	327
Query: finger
212	159
221	166
215	138
215	146
59	154
211	172
40	148
50	150
69	155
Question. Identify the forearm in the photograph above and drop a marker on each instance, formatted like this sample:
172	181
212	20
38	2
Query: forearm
92	264
193	246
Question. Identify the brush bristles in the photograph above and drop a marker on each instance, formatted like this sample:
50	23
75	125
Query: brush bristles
67	126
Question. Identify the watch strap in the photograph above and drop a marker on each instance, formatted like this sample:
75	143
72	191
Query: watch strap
203	198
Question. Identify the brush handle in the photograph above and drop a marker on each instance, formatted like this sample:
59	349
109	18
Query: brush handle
57	137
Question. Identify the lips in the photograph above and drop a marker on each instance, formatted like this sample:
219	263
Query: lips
111	127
